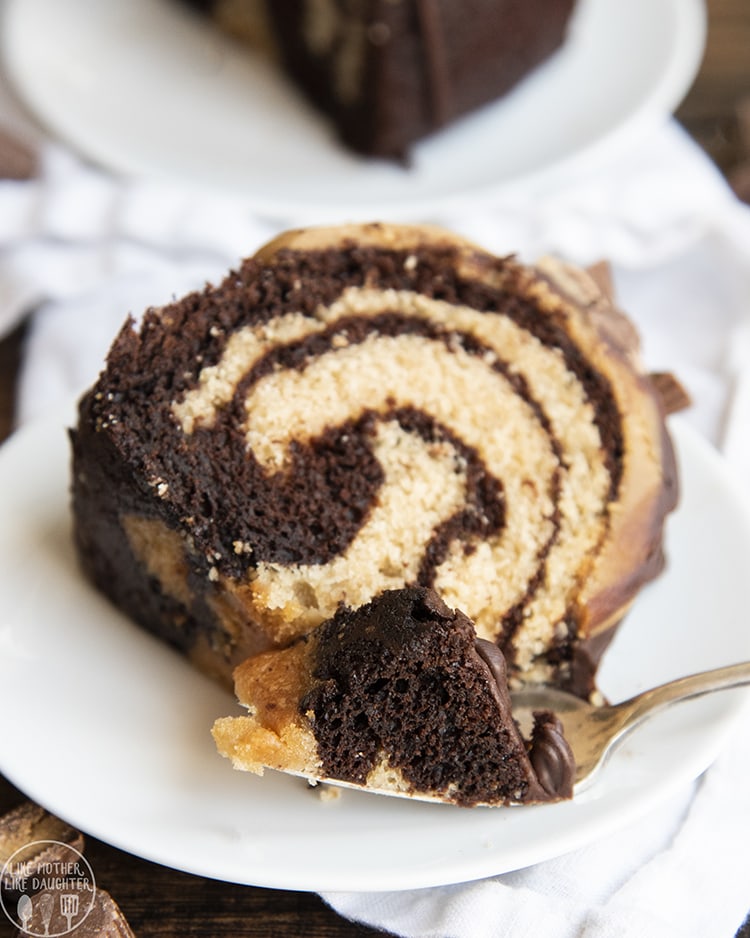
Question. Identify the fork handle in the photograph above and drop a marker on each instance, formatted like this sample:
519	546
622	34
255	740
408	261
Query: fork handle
684	688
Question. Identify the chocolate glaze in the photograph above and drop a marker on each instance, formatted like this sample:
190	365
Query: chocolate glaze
551	757
494	660
439	88
422	62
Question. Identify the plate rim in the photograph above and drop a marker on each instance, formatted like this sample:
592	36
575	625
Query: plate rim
680	65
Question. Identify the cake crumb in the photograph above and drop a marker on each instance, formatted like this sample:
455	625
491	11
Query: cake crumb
328	793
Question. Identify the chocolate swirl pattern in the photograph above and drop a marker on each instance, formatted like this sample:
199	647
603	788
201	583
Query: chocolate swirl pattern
374	408
534	446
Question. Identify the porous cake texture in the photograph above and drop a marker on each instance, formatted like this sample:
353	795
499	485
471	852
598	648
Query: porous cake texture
399	697
370	408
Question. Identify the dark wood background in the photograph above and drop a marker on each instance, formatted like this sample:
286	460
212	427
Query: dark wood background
162	902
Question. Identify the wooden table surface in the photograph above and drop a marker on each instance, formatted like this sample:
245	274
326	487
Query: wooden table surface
159	901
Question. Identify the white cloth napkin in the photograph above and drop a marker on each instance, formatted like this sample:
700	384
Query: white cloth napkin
80	249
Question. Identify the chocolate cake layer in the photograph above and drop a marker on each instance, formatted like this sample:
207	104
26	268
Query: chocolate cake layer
369	408
398	697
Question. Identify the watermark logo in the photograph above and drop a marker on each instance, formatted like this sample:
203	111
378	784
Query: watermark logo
48	888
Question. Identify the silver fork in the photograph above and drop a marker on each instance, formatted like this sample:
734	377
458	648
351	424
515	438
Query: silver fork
592	731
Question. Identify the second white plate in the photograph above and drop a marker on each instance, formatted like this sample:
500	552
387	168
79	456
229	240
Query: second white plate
143	87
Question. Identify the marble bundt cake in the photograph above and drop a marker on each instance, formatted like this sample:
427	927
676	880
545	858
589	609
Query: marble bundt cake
388	72
401	697
367	408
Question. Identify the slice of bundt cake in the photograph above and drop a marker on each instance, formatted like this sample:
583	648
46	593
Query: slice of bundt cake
388	73
366	408
399	697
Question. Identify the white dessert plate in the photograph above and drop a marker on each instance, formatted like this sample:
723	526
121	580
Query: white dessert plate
111	730
144	87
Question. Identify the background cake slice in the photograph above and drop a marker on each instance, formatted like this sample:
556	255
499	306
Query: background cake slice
388	73
367	408
398	697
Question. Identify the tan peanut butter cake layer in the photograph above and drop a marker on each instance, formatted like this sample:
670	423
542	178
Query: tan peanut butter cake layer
356	412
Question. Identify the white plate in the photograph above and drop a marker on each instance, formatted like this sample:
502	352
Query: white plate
142	86
110	729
